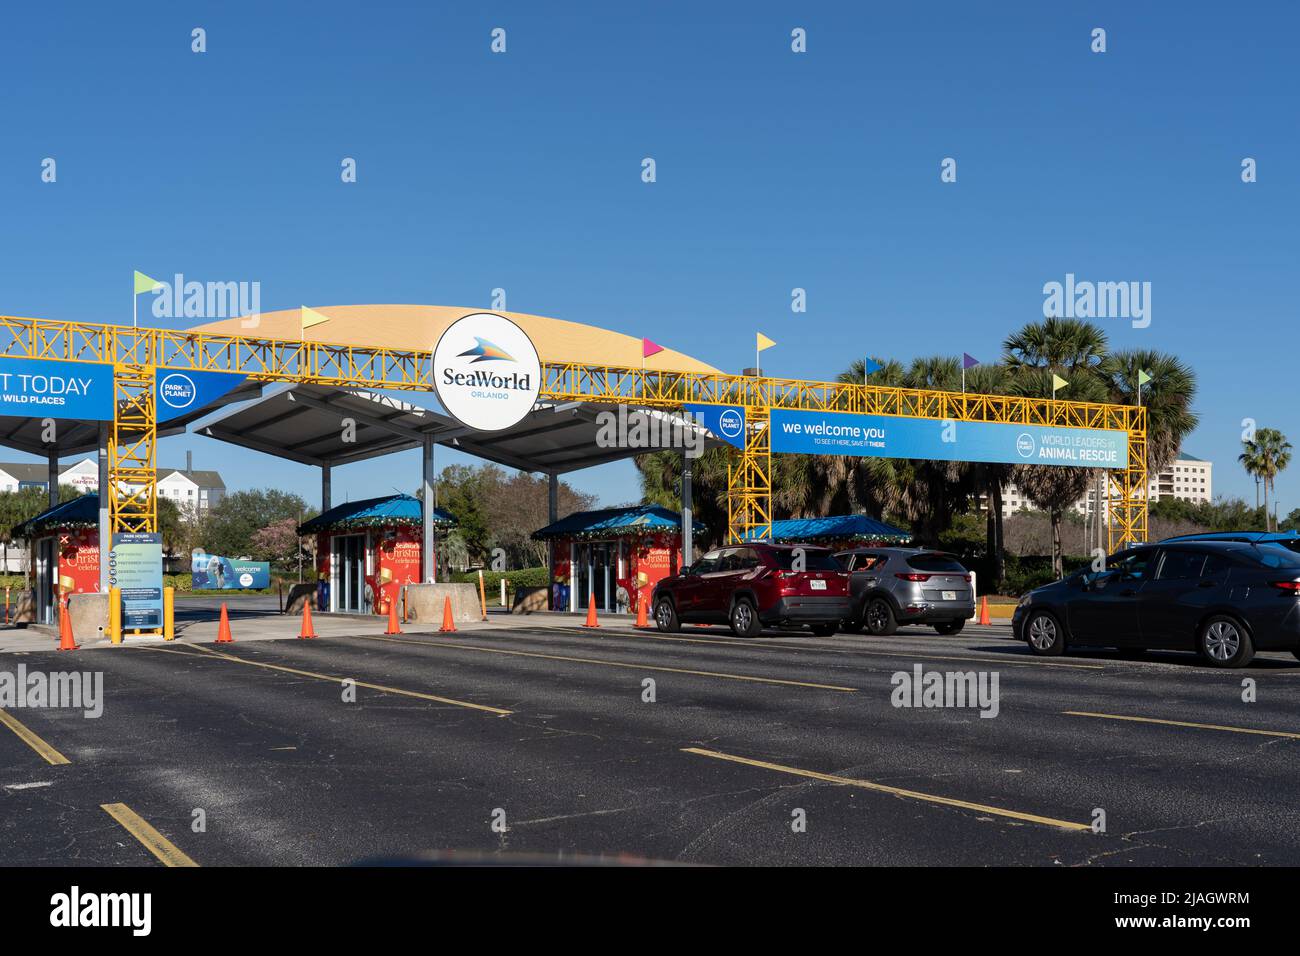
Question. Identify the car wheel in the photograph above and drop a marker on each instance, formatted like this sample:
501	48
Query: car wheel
1044	635
825	630
879	617
1223	642
744	619
949	627
666	617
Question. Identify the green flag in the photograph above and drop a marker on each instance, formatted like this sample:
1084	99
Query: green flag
1143	378
144	284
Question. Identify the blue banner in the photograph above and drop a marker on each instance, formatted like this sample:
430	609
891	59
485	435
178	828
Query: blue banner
180	393
46	388
887	436
213	572
724	421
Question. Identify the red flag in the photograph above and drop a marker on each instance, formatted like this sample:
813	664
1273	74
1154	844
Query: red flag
648	348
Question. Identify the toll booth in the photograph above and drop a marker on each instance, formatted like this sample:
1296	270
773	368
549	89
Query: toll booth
612	556
839	532
64	554
367	551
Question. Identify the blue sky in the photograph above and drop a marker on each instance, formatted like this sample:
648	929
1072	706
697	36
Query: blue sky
775	171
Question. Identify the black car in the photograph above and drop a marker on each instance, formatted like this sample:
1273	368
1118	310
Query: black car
1224	599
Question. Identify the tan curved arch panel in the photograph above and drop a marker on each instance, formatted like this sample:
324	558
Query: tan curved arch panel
419	326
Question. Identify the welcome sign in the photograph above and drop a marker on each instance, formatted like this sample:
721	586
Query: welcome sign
45	388
887	436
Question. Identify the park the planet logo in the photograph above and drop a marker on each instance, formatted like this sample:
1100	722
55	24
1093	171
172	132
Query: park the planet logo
486	372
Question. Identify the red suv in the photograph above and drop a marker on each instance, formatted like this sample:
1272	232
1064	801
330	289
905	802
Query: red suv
752	585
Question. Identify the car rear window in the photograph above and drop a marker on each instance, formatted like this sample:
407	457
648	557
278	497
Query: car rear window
1271	556
935	562
815	559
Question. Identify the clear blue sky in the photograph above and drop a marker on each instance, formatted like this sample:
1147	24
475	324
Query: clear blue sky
775	170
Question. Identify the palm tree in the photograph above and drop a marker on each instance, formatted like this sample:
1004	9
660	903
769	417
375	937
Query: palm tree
1167	398
1264	456
1074	350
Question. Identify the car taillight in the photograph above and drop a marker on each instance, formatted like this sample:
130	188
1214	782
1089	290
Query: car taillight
911	576
1290	587
966	578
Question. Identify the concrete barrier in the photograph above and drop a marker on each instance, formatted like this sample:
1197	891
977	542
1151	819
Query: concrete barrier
89	616
528	600
298	595
424	603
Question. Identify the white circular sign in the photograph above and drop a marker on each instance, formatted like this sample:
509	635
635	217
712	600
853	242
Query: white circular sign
486	372
245	580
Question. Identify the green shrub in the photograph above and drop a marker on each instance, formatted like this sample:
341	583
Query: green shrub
521	578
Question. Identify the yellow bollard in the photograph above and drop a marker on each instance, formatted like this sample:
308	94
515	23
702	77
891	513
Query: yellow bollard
169	614
115	615
482	594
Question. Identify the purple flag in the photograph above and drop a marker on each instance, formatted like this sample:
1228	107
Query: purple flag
968	360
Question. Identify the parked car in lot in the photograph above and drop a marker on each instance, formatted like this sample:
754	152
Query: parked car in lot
1222	598
893	586
755	585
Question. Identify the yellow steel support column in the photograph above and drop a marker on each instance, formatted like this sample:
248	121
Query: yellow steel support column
1128	488
133	452
749	480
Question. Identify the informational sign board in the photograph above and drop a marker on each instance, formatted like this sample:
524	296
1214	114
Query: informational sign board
213	572
136	566
45	388
887	436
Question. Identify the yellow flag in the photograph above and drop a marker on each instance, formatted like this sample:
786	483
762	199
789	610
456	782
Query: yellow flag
311	317
764	342
144	284
1058	382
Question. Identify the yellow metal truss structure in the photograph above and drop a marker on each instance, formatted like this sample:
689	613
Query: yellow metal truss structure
136	353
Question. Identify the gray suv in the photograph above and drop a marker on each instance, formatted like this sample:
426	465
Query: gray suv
893	586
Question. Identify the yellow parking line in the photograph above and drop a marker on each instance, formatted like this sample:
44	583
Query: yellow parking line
334	680
51	755
1184	723
846	650
153	841
597	661
895	791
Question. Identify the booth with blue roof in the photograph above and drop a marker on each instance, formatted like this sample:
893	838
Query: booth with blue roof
839	532
64	556
367	551
611	556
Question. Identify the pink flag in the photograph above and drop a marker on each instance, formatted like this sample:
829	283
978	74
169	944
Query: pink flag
648	348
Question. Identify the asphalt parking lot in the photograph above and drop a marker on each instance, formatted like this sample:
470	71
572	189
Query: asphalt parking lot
546	732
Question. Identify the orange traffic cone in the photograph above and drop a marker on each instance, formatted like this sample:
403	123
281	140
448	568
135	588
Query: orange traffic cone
641	620
984	610
448	622
66	643
393	626
591	611
307	632
223	629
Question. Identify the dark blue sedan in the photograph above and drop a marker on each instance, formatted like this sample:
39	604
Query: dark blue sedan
1223	599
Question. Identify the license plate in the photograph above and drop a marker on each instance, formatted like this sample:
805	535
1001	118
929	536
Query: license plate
818	585
950	595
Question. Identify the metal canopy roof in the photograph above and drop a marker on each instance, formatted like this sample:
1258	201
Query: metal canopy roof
305	423
77	437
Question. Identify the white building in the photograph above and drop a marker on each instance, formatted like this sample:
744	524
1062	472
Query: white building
192	491
1187	479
